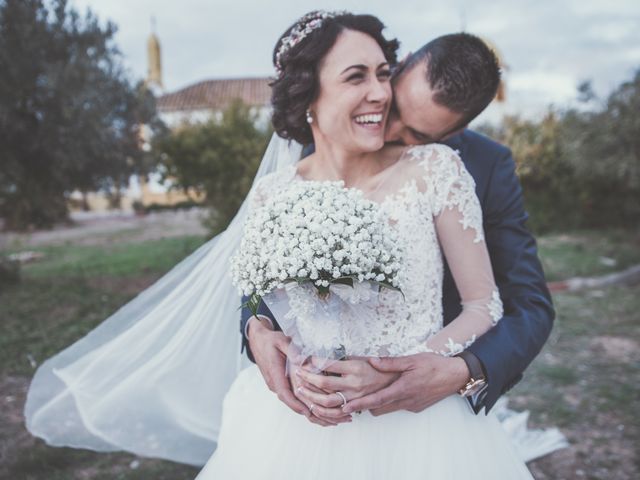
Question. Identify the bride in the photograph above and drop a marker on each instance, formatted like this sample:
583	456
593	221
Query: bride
165	377
430	200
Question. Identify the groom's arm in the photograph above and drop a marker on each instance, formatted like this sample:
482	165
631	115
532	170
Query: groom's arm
506	350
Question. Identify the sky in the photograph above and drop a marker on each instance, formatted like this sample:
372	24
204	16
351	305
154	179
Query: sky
549	46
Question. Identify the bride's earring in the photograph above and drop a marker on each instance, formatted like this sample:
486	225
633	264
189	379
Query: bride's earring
309	117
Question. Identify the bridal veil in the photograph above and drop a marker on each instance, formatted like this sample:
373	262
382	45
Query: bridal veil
152	377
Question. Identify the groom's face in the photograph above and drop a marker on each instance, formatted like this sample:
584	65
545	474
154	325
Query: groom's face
415	118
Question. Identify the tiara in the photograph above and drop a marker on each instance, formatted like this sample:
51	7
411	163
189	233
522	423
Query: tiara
303	27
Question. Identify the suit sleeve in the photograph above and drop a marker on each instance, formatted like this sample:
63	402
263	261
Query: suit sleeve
244	318
506	350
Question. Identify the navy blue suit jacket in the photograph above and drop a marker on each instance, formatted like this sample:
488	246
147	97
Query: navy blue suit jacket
506	350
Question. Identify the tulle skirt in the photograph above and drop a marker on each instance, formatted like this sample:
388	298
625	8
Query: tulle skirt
261	438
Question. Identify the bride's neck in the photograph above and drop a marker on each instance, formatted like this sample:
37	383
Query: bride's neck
331	162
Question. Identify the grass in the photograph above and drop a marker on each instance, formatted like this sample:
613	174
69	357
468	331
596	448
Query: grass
73	289
587	381
588	253
116	259
577	353
58	300
584	381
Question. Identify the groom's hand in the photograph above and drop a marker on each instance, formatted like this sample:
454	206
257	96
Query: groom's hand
425	378
269	350
353	378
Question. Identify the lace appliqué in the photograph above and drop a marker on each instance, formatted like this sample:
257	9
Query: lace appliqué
452	185
268	185
495	311
495	307
430	179
453	347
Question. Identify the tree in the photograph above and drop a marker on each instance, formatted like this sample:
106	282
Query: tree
547	178
219	158
580	167
69	116
603	145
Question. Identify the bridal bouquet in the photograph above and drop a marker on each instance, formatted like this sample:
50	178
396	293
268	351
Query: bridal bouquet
313	252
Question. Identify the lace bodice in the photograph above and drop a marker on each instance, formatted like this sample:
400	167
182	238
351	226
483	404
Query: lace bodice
430	199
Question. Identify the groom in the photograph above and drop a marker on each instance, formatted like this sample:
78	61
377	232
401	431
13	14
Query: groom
437	91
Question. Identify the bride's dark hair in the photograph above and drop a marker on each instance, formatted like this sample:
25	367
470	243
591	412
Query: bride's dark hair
297	83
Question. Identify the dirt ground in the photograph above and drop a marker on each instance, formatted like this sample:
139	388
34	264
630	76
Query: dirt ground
602	436
97	229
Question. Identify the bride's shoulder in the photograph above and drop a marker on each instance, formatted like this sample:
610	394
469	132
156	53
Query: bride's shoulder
433	153
271	183
418	160
279	177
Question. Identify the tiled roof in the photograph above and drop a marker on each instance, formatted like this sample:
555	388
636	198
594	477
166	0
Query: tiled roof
217	94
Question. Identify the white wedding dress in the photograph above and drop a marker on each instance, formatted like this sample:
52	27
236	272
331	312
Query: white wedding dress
430	199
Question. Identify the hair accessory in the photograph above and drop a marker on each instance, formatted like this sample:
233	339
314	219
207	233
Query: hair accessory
309	117
303	27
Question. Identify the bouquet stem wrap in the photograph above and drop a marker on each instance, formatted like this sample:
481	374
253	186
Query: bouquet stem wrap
323	326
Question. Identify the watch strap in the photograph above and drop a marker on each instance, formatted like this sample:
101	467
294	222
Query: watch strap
473	364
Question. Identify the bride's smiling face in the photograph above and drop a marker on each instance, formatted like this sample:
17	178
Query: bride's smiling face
354	97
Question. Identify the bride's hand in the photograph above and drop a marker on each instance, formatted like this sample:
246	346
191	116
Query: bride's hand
330	417
356	378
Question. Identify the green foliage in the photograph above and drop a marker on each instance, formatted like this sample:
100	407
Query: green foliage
547	180
219	158
580	167
603	146
69	117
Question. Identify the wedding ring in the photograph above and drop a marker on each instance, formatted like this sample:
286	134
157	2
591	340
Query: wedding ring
344	399
311	407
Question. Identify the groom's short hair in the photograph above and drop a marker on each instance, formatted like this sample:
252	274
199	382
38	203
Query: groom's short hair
462	71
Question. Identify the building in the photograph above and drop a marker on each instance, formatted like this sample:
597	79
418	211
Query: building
209	98
196	103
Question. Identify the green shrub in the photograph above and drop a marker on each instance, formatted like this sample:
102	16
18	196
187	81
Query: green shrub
219	157
579	168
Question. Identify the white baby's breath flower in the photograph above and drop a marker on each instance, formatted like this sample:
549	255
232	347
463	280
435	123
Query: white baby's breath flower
318	232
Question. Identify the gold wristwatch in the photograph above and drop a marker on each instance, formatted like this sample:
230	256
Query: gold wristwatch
478	382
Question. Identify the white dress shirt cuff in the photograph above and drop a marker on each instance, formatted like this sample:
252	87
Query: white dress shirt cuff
262	317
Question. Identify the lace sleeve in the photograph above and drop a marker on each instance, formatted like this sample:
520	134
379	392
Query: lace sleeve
458	220
265	187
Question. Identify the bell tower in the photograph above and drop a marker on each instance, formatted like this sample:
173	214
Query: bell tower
154	64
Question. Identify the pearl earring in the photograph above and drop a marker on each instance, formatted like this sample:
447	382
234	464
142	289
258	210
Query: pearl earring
309	117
